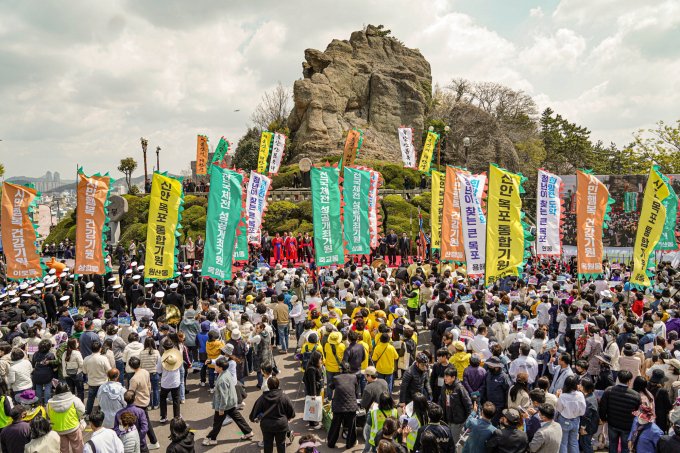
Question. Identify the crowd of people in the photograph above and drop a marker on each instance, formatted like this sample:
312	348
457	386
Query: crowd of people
418	356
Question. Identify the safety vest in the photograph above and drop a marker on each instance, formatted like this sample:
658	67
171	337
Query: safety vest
411	438
4	419
413	301
62	421
378	417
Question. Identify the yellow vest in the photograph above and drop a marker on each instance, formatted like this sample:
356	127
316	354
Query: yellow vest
4	419
378	417
62	421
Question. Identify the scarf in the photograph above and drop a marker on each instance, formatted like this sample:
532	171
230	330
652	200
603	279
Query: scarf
635	435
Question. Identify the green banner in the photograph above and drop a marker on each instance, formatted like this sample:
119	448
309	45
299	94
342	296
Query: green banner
668	239
328	241
220	152
224	217
630	202
357	184
241	246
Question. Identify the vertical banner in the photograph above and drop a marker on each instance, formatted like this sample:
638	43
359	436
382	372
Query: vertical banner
241	246
471	192
428	152
591	205
352	145
505	235
202	156
220	152
373	207
90	223
278	145
224	217
326	209
408	151
265	144
356	224
437	207
165	206
453	248
18	232
650	227
256	201
668	240
548	214
573	204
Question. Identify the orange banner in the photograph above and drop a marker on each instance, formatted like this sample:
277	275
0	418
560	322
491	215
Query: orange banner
91	219
202	156
453	247
591	207
18	234
351	146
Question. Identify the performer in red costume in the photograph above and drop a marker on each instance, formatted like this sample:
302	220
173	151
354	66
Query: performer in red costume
277	244
286	241
291	248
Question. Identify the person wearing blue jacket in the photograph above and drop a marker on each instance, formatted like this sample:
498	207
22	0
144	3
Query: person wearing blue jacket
480	428
445	441
202	339
66	321
496	386
645	434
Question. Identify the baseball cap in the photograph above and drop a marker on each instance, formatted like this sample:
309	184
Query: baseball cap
370	371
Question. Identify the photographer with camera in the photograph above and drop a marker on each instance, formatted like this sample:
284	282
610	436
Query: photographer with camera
273	410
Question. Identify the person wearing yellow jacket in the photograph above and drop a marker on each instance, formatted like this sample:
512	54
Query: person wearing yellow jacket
312	344
460	359
213	348
384	357
65	410
333	352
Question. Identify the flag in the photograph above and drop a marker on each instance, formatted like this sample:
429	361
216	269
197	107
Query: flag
355	221
265	145
373	217
408	151
437	207
352	146
19	232
278	145
202	156
471	192
91	223
165	205
668	240
424	240
548	214
256	203
220	152
326	208
428	152
593	199
452	246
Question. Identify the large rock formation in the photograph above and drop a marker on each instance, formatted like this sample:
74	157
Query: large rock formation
370	82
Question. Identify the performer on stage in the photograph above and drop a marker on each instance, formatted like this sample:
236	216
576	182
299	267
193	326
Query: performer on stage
286	241
291	248
391	241
277	245
307	246
266	245
404	247
300	250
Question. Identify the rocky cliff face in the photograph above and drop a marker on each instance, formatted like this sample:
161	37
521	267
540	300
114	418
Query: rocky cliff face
370	82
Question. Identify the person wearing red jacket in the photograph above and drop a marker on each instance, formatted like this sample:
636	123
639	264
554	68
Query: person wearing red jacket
639	304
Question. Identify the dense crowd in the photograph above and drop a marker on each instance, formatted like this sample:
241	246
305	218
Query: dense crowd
418	356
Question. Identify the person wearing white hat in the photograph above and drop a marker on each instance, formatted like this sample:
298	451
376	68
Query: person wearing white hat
136	291
158	307
93	297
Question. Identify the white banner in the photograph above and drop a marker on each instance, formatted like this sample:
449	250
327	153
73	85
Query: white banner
278	145
474	221
373	208
548	213
255	203
408	151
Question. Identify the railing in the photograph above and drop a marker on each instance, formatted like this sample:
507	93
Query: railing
298	195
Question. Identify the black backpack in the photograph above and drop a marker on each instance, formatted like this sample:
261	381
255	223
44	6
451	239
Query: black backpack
307	355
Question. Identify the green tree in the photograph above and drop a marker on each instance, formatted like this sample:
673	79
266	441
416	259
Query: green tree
2	170
662	148
127	167
567	145
247	150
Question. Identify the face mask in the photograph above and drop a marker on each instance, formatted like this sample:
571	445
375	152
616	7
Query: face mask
608	338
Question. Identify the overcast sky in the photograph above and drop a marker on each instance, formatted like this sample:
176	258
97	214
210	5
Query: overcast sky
82	81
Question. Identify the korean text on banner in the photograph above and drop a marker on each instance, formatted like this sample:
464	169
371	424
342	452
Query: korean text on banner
351	146
241	246
220	152
164	208
18	232
474	221
373	207
202	156
650	227
256	200
328	238
453	248
408	151
669	240
356	224
437	207
224	216
548	214
265	144
428	152
91	220
591	205
278	145
505	235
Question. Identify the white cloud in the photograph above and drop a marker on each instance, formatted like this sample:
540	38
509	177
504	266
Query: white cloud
562	49
536	12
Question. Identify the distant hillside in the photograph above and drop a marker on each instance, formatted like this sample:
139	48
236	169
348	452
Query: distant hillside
120	182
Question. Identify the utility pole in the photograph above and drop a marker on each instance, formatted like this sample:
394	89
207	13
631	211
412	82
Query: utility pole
158	162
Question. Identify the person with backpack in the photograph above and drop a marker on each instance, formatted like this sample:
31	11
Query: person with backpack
333	352
356	355
313	379
311	345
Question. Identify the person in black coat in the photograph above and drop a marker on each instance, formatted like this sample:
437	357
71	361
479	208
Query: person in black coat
456	402
313	379
662	401
670	443
437	374
414	380
509	439
344	406
279	411
617	406
590	421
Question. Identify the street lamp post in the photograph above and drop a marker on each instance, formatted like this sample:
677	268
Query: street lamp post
158	162
439	145
466	144
144	143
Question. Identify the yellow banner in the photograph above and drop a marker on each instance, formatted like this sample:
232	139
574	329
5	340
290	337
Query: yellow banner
265	142
428	150
436	208
505	235
650	226
166	198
